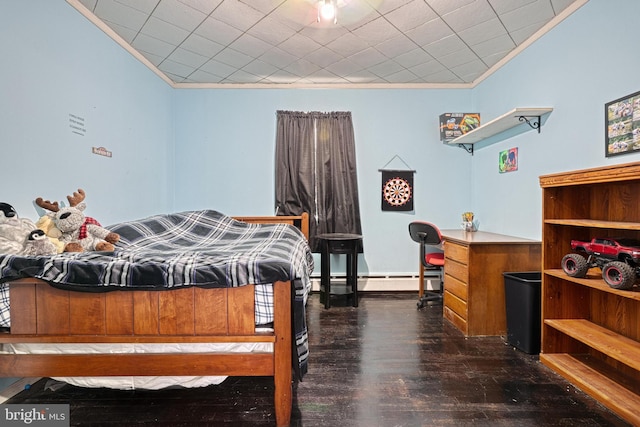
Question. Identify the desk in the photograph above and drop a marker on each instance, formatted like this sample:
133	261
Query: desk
473	281
339	243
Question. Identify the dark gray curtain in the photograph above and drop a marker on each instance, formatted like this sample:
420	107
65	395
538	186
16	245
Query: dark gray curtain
315	171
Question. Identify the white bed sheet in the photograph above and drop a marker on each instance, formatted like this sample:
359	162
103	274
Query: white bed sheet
140	382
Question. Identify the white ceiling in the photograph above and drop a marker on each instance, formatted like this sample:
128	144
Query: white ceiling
276	43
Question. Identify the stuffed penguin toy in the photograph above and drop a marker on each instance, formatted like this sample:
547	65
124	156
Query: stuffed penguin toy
14	231
38	243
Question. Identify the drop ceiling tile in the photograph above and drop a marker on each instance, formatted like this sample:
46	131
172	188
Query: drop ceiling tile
427	69
299	45
242	76
260	68
324	36
126	33
323	76
204	6
386	68
397	45
277	57
250	45
201	45
413	58
504	6
482	32
443	7
411	15
201	76
292	13
282	77
348	45
469	16
445	46
560	5
237	14
458	57
302	67
218	31
118	13
387	5
145	6
343	67
233	57
401	76
188	58
445	76
430	32
498	45
522	17
271	31
323	57
368	57
174	12
153	45
376	31
522	34
217	68
164	31
470	70
363	76
175	68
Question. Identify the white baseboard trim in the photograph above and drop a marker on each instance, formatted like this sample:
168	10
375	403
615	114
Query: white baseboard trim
16	388
385	283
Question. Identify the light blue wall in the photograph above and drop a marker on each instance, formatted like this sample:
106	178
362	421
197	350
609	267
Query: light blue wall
56	63
589	59
225	142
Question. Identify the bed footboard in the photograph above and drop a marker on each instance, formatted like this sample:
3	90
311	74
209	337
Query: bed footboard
41	313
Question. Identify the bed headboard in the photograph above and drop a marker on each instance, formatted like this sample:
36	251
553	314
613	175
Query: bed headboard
299	221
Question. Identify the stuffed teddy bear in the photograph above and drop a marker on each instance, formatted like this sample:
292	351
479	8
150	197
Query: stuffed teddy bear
13	230
79	232
46	224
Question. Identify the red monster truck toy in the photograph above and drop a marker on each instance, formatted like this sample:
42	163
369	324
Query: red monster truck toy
619	260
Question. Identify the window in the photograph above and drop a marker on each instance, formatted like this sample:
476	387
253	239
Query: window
315	171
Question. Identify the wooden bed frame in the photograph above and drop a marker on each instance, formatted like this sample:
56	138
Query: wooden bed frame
43	314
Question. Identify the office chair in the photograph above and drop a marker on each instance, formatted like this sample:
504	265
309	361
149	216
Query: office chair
431	258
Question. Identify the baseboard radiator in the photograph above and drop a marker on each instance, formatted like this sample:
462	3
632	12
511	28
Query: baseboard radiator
384	283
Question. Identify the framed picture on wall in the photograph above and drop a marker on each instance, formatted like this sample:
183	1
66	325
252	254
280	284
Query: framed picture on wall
622	125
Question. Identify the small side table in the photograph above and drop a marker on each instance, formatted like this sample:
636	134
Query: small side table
339	243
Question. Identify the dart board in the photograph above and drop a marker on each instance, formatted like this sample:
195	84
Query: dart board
397	191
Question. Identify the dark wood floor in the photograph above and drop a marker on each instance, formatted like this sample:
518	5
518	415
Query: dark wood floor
381	364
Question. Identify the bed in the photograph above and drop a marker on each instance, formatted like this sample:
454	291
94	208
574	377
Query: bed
163	286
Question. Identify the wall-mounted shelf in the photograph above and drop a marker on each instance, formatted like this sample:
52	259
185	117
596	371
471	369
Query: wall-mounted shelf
515	117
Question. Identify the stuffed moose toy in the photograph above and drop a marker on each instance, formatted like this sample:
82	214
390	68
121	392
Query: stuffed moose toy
79	232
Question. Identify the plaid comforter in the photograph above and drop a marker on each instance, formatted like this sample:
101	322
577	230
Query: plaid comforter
195	248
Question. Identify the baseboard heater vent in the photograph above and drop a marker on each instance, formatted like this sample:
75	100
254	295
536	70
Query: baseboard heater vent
384	283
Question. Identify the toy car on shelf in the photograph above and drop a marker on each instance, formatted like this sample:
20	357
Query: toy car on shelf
619	260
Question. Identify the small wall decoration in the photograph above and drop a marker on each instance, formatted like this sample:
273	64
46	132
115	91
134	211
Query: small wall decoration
622	125
397	189
508	160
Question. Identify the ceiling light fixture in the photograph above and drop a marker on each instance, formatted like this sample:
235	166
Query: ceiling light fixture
327	10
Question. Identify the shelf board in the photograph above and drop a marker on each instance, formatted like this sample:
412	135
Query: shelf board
500	124
614	345
595	282
596	383
620	225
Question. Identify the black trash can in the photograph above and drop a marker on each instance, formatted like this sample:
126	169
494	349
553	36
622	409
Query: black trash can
522	300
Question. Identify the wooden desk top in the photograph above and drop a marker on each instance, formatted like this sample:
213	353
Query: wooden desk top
482	237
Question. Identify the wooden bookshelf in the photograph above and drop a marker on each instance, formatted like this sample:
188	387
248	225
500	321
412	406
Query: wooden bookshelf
590	331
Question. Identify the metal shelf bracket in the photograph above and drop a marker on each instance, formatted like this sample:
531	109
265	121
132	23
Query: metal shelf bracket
532	124
467	147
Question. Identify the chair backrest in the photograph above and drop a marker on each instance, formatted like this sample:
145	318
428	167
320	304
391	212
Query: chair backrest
425	233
